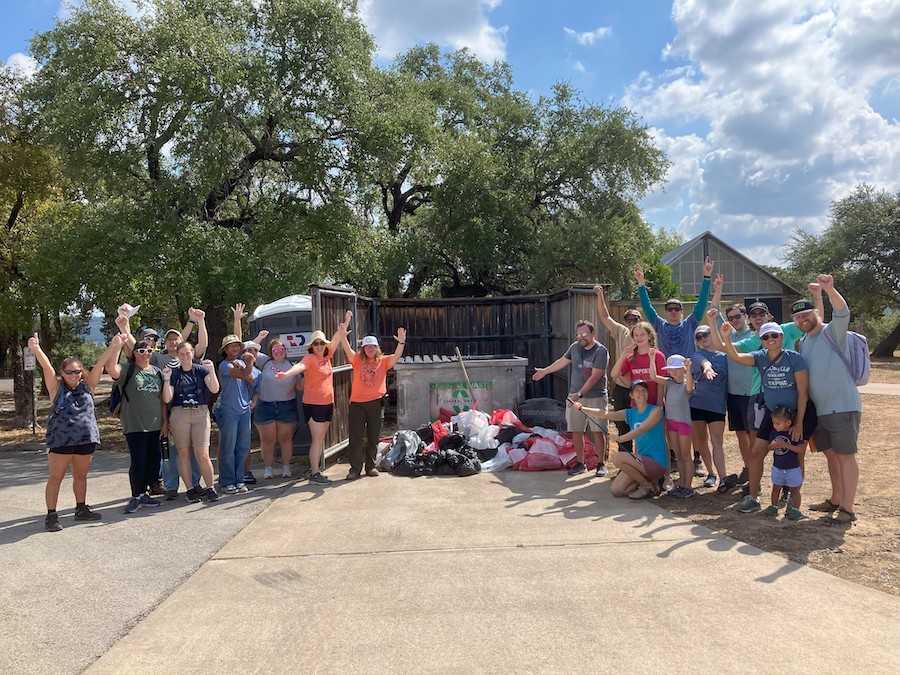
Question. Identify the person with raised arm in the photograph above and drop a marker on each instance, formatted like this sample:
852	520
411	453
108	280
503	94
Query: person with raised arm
72	432
239	380
370	366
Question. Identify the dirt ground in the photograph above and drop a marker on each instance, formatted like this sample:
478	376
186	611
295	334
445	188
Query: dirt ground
868	552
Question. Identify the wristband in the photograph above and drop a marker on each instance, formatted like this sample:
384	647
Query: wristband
706	277
401	343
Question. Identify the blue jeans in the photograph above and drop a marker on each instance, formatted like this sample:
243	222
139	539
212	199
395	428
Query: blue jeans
169	468
234	446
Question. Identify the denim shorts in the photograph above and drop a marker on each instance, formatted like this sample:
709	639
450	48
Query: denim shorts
283	412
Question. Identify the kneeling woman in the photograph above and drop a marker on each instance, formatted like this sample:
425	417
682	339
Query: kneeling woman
185	388
72	432
638	474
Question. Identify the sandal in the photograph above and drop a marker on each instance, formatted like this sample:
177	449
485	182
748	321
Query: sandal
824	506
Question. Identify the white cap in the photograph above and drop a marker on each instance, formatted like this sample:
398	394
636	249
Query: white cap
370	340
771	327
675	361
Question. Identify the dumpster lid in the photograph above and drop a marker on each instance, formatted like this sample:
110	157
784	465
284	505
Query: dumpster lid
291	303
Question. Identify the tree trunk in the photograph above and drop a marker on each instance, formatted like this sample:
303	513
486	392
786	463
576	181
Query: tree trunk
887	346
217	329
23	391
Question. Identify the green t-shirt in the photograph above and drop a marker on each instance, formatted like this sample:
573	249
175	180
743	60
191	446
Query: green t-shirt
142	411
754	344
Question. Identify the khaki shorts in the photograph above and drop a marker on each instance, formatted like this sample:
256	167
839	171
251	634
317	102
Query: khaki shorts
190	427
838	432
578	421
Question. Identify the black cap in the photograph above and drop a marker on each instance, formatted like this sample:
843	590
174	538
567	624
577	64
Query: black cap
802	306
759	305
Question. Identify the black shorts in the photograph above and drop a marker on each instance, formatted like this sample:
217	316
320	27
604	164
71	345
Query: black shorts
740	412
809	423
318	413
86	449
707	416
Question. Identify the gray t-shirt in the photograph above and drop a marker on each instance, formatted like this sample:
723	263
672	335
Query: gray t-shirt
740	378
271	389
830	386
583	362
678	402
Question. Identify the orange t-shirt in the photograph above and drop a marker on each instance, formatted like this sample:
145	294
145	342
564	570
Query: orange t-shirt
318	385
369	379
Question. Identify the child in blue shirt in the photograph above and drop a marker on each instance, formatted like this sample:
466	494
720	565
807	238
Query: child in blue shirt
786	462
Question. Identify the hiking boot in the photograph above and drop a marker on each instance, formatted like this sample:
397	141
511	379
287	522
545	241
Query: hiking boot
211	494
843	516
319	479
698	469
642	492
601	471
147	500
710	480
157	488
793	514
249	478
824	506
194	494
353	474
84	512
577	469
372	472
770	511
51	522
133	505
171	495
748	505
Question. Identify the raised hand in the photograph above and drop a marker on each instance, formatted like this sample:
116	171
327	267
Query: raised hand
826	281
726	328
401	335
249	358
208	364
238	311
196	314
814	288
263	334
687	365
167	373
122	323
639	275
598	290
717	282
712	314
707	267
119	339
34	342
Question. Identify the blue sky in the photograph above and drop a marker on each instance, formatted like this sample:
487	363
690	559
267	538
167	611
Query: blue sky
769	110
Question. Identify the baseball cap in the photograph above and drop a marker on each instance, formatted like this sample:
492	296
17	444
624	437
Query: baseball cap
639	383
173	330
701	330
150	333
250	344
675	361
370	340
802	306
771	327
758	305
673	301
633	312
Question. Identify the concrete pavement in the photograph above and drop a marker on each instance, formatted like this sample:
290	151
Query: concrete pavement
507	573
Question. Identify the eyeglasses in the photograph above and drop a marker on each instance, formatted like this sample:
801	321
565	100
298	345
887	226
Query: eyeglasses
582	336
770	336
734	317
673	308
72	372
277	348
143	350
318	344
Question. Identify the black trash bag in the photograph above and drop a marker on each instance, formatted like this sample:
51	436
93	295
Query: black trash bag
404	444
469	467
486	455
506	434
454	458
426	434
452	441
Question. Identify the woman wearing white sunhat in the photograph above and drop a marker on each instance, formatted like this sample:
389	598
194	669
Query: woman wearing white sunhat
369	387
318	396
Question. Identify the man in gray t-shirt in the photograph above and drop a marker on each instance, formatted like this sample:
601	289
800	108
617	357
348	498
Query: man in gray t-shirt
589	360
833	390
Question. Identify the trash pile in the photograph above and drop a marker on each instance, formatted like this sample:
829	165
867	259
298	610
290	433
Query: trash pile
474	441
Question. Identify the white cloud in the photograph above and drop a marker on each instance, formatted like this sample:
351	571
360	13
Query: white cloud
781	91
24	63
400	24
590	37
579	66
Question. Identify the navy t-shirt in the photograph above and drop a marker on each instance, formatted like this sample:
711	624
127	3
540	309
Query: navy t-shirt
190	389
782	458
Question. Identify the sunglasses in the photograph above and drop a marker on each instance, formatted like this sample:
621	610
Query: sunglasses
72	372
770	336
318	344
632	319
143	350
734	317
277	348
701	336
582	335
758	313
673	308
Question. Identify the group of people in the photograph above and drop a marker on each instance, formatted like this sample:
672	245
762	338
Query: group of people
676	380
163	405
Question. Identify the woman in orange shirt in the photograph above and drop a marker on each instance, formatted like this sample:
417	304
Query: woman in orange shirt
369	387
318	396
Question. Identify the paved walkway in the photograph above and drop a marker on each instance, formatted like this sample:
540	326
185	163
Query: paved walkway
508	573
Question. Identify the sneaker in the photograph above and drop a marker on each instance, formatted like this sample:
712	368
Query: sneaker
682	492
642	492
85	513
710	480
249	478
372	472
667	484
133	505
51	522
240	487
194	494
267	474
770	510
728	483
843	516
785	497
211	494
319	479
748	505
824	506
147	500
353	474
602	471
171	495
793	514
577	469
698	469
286	472
157	488
229	489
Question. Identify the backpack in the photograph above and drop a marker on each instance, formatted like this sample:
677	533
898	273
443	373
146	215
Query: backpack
115	398
859	364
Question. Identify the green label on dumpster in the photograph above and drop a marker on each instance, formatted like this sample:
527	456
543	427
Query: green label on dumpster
456	397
